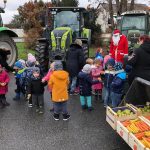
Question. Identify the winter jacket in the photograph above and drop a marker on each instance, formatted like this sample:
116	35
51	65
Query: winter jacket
96	74
108	78
118	52
74	60
26	77
47	78
59	82
117	84
4	78
85	83
35	86
140	62
18	77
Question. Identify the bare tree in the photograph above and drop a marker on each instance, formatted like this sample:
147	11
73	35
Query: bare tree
132	5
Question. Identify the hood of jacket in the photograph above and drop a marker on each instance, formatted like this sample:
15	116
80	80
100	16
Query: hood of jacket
82	75
60	74
122	75
146	46
75	46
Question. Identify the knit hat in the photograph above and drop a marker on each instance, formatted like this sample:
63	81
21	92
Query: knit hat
116	31
31	58
118	66
23	62
18	65
36	69
110	62
58	65
78	42
87	68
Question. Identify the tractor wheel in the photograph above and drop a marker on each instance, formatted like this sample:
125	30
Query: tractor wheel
85	50
42	55
7	42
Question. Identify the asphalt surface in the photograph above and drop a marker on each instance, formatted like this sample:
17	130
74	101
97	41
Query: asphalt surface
21	128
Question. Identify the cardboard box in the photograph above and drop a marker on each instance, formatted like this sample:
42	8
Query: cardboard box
139	112
123	131
135	144
112	117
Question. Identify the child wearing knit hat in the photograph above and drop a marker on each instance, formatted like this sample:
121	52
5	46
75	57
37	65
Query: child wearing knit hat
36	89
59	82
85	86
19	69
109	74
117	85
4	80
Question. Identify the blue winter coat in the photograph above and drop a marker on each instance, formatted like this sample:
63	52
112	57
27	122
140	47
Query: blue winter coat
117	84
85	83
108	78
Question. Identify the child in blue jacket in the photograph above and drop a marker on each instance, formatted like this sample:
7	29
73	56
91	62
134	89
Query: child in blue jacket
117	84
109	74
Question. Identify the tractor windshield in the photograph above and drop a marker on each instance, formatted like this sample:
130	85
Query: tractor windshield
67	19
133	22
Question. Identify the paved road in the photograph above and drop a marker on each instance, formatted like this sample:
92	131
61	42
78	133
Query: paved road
22	129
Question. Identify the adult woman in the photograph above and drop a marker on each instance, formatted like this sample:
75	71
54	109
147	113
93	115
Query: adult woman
140	60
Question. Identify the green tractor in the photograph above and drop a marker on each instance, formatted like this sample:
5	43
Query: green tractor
6	42
67	24
133	24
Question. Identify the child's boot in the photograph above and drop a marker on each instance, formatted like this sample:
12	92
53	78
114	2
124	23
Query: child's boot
66	117
56	117
1	104
4	102
17	97
41	110
84	107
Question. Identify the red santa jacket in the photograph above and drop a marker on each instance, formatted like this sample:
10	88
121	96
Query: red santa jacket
118	52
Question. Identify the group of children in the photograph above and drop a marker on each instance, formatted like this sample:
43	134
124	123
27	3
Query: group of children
105	77
101	76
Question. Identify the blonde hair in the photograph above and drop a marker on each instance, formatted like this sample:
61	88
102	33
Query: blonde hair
89	61
97	61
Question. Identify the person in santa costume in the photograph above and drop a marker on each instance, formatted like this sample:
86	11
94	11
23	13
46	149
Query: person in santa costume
118	46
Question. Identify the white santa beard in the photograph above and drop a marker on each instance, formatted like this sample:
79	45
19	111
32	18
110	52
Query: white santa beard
116	39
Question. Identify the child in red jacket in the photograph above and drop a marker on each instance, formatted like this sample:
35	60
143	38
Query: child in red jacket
4	80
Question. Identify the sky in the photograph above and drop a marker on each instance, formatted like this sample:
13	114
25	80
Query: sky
12	5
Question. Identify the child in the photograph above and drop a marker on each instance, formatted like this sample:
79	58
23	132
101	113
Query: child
59	82
96	74
98	54
85	85
89	61
36	89
108	77
26	75
4	80
117	84
19	69
47	78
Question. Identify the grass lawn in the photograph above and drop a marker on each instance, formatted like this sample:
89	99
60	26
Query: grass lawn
22	51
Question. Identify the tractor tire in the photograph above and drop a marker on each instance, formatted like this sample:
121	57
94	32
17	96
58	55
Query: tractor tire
6	42
42	55
85	50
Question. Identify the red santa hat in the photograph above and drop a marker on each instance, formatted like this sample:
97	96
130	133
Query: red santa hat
116	31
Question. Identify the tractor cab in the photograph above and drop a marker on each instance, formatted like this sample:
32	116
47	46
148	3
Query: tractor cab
66	25
135	23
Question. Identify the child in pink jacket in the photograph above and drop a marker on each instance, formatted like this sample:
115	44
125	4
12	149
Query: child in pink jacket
96	71
4	80
47	78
